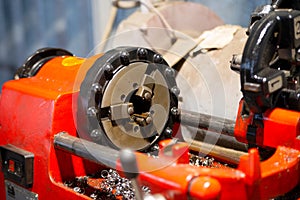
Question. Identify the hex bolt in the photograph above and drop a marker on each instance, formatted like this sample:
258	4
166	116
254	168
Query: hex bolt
157	58
174	111
123	96
136	128
96	87
130	110
124	58
170	72
175	90
108	68
147	96
96	133
92	111
142	53
108	71
168	132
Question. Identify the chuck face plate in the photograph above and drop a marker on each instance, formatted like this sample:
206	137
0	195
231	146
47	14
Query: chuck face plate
126	99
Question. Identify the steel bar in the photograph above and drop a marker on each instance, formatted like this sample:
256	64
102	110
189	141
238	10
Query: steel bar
216	138
107	156
218	152
207	122
89	150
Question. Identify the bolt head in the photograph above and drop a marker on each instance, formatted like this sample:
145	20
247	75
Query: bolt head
142	53
96	87
92	111
170	72
130	110
174	111
124	58
96	133
157	58
108	71
147	96
136	128
168	132
175	90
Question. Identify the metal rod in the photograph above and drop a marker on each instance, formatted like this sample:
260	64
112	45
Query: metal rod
89	150
219	139
207	122
218	152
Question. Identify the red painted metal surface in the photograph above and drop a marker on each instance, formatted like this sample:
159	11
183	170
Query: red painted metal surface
280	127
34	109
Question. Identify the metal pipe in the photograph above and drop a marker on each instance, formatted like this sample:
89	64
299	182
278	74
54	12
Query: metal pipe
89	150
218	152
217	138
207	122
107	156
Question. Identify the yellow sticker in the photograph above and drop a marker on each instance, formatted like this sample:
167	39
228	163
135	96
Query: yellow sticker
71	61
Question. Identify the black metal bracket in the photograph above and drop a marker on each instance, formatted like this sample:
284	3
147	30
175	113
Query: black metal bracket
17	165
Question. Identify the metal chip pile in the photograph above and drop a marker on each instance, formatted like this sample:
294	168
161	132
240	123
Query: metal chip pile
109	185
205	162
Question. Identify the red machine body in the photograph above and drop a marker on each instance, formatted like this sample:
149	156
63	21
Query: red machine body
32	111
35	109
279	127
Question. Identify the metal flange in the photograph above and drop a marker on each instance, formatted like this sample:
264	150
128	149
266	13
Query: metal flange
126	98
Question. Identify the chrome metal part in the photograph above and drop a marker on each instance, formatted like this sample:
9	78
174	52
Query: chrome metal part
86	149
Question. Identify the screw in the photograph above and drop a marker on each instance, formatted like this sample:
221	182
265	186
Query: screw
124	58
92	111
175	90
157	58
123	96
96	87
109	69
169	72
96	133
147	96
168	132
136	128
174	111
130	110
142	53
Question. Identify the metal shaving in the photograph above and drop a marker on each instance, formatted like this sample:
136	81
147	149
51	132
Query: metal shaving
205	162
122	186
112	187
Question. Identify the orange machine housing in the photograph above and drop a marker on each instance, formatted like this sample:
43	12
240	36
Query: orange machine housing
34	109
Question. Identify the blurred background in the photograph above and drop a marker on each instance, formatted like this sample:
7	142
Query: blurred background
78	25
